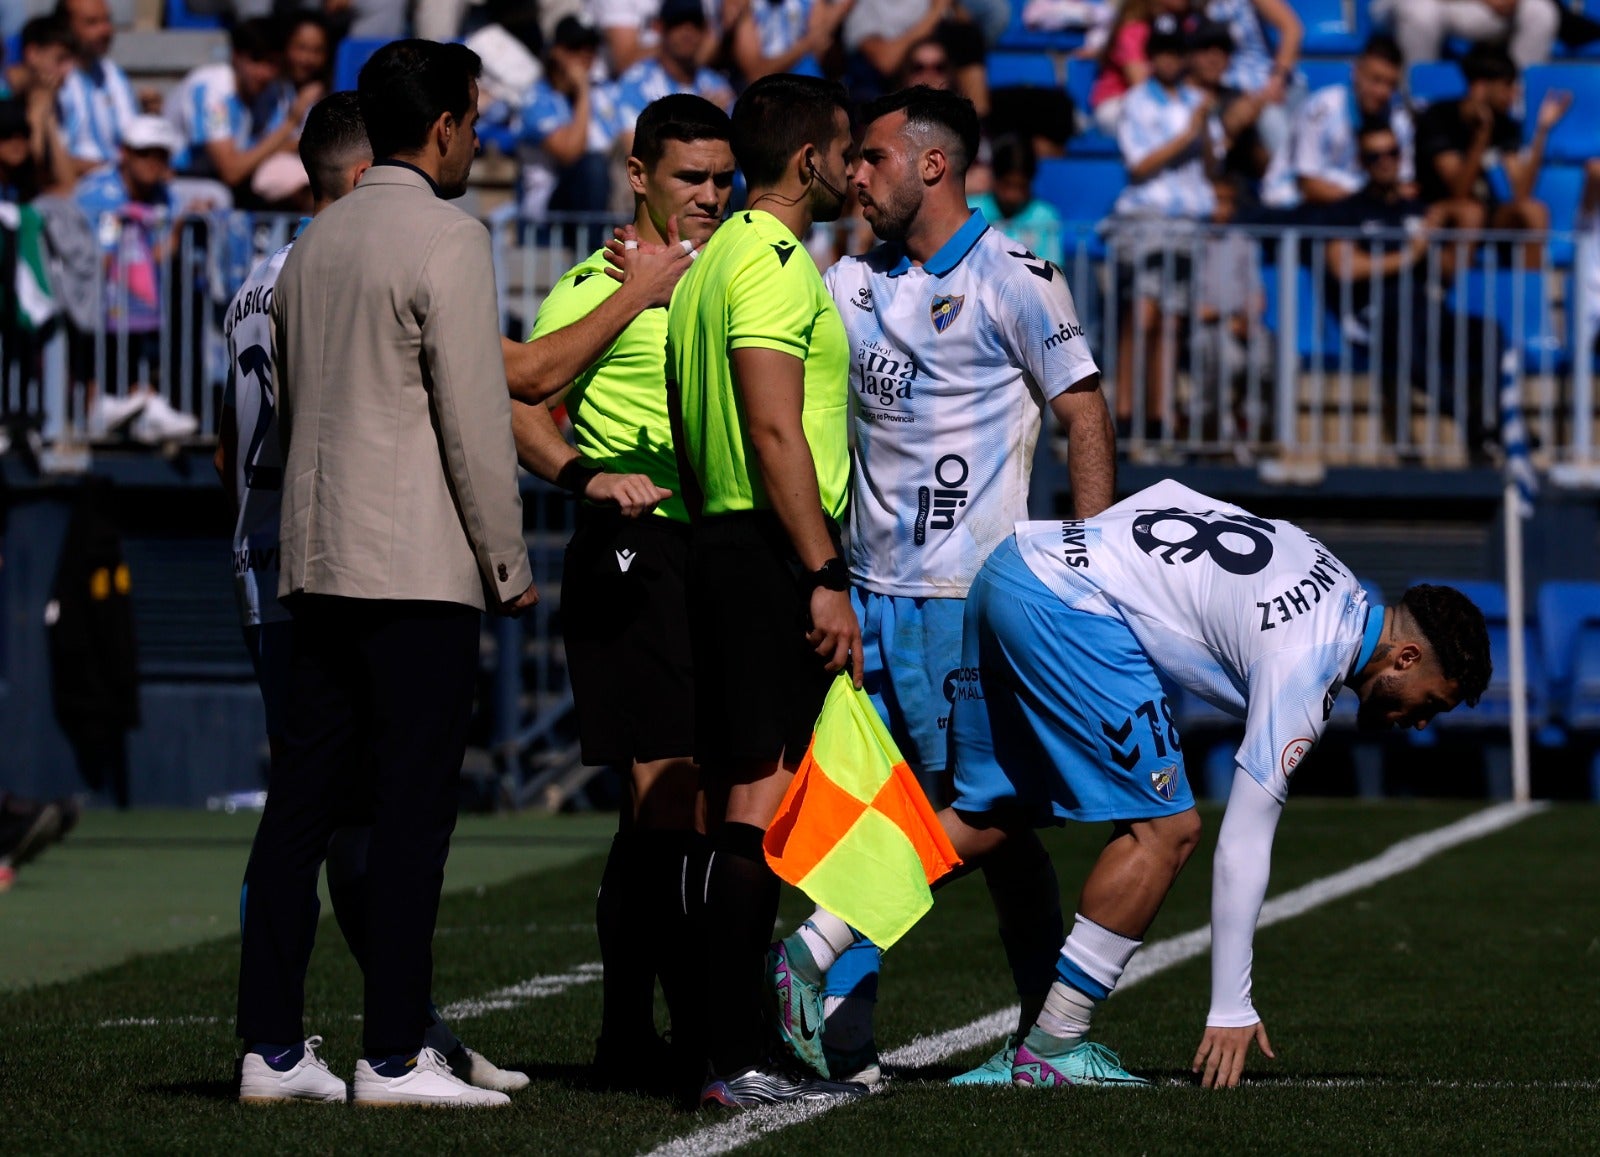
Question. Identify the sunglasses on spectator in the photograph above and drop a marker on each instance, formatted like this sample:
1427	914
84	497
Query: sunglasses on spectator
1374	156
926	65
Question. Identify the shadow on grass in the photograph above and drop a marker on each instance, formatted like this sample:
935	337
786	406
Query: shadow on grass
204	1090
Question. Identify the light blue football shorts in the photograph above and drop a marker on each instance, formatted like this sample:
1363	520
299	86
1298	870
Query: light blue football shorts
911	655
1065	717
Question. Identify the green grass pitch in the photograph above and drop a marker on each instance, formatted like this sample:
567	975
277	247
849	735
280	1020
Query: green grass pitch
1450	1008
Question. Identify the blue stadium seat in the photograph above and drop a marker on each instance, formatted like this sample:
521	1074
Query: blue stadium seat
179	16
1569	626
347	62
1019	69
1508	295
1573	139
1333	27
1324	73
1561	188
1017	38
13	49
1082	190
1307	344
1080	79
1494	710
1091	142
1435	80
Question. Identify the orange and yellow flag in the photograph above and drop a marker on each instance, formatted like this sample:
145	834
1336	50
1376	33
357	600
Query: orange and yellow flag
855	832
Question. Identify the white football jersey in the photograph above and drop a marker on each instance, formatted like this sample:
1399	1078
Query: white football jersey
1251	614
952	363
257	457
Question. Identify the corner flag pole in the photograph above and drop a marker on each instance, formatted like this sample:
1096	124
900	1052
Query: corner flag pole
1514	630
1521	484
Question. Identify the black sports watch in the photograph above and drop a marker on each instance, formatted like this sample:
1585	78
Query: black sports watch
831	576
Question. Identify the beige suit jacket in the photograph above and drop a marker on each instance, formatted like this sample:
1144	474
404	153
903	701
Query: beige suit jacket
399	470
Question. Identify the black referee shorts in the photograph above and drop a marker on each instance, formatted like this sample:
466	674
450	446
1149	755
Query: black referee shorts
625	621
759	684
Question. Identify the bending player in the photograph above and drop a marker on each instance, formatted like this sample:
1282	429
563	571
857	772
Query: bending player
335	151
959	339
1066	628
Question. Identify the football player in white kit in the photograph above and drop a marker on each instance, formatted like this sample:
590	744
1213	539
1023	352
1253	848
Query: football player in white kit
1065	718
1061	715
335	151
960	339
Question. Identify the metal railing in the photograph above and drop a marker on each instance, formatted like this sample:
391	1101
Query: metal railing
1249	344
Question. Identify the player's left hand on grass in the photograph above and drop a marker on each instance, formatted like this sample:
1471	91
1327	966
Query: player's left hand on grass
1220	1060
633	494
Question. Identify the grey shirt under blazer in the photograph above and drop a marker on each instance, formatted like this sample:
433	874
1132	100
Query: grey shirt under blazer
400	476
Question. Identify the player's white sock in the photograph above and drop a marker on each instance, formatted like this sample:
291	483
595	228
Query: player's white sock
825	937
1092	961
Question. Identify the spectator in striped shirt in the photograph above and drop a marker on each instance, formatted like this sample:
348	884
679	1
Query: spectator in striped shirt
1320	163
97	102
1170	138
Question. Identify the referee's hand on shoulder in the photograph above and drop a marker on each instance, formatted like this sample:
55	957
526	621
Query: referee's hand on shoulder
654	270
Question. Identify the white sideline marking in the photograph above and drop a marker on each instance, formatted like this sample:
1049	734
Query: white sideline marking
500	999
1154	958
520	993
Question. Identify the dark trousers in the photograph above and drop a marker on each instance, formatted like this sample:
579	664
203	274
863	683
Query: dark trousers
376	726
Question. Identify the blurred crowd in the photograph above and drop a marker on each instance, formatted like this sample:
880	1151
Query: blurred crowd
1204	100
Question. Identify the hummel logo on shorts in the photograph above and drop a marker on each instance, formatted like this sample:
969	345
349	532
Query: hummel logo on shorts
625	559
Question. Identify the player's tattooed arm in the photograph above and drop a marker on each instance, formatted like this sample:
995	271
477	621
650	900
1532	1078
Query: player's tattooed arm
1091	445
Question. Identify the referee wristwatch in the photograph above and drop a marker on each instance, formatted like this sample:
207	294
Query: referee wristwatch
830	576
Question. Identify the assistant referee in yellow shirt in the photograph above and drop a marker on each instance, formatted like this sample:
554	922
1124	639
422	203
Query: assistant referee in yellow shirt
758	362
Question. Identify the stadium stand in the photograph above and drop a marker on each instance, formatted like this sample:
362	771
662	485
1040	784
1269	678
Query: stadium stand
1006	69
348	59
1574	139
1333	27
1569	626
1091	142
178	15
1082	191
1435	80
1019	37
1323	73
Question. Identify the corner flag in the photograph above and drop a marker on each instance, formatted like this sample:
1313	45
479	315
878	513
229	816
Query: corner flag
1520	474
855	832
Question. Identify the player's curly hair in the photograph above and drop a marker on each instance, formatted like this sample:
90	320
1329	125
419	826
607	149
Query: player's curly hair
1455	629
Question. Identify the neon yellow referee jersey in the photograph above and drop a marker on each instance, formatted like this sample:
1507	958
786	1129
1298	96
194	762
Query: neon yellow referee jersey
755	286
618	405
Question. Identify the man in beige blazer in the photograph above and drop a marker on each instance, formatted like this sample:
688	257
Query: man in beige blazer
401	523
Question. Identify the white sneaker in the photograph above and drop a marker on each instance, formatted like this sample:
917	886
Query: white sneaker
108	413
482	1073
159	422
309	1080
429	1082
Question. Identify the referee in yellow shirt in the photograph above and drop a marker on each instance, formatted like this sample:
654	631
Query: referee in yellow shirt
623	609
760	362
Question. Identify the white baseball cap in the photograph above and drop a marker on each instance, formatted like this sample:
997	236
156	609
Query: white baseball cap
152	132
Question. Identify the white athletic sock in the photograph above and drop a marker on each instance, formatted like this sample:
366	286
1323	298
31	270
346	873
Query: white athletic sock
825	937
1100	956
